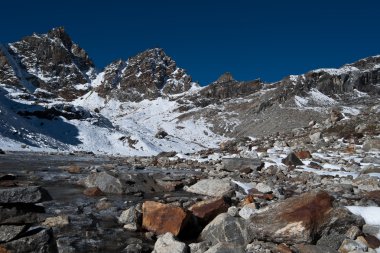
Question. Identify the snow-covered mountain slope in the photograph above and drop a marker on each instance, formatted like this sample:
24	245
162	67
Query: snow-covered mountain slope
51	98
91	123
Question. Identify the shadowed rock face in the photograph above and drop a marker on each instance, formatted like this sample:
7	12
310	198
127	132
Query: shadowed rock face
148	75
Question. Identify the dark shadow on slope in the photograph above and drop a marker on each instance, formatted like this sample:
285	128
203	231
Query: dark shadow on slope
31	130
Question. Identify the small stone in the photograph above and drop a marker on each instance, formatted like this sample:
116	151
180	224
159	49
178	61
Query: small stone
353	232
74	169
304	154
93	192
103	204
302	248
315	137
283	248
292	160
372	144
248	211
59	221
226	248
167	244
200	247
261	187
351	245
233	211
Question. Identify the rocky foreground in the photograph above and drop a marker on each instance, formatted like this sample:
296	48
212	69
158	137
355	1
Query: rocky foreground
314	189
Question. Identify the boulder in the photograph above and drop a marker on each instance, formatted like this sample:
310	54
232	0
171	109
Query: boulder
300	219
162	218
225	228
208	209
105	182
9	232
238	164
292	160
167	244
211	187
32	194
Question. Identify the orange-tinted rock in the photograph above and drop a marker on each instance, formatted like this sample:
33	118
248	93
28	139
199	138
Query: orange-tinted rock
283	248
161	218
208	209
74	169
4	250
303	154
92	191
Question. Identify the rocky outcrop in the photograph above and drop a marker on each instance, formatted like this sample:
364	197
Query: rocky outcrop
51	62
148	75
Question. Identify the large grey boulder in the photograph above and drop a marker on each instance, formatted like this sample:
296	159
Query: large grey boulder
105	182
212	187
225	228
167	244
26	195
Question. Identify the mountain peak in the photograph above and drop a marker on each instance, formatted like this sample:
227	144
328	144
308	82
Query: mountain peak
61	34
225	77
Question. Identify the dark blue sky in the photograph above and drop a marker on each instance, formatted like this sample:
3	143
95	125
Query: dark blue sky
250	39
